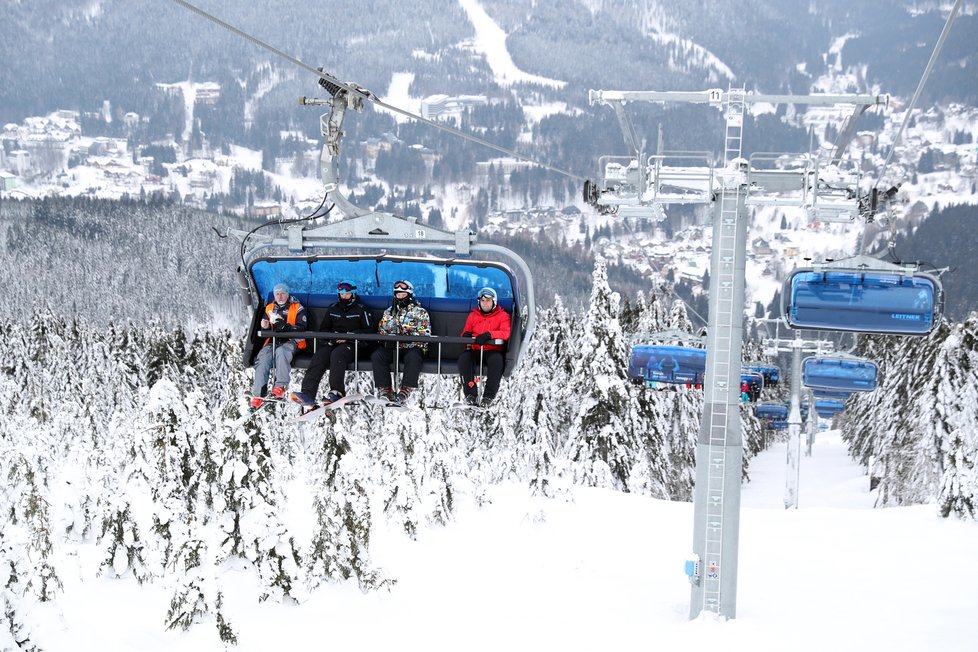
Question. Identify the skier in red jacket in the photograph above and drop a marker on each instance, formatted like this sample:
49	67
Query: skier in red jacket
486	322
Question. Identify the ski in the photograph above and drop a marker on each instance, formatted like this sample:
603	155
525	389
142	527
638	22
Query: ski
327	409
249	414
462	405
370	399
383	402
398	406
266	400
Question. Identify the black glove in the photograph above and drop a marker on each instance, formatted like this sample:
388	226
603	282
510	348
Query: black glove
281	326
482	338
467	334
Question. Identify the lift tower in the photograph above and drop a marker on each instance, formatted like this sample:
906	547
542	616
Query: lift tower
719	449
796	347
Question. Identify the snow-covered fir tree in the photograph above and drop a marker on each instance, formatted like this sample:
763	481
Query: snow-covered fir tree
605	442
916	431
172	482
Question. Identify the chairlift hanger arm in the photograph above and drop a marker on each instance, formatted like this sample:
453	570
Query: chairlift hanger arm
627	129
847	132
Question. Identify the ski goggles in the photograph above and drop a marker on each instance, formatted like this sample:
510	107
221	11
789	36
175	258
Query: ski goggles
400	286
345	287
487	293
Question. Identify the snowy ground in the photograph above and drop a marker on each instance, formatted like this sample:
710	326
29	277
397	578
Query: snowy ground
603	572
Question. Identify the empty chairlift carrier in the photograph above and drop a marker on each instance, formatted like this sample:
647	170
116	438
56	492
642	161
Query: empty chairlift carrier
839	372
771	413
863	294
672	357
826	408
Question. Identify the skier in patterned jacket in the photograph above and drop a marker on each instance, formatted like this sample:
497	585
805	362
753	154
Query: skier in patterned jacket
404	317
487	323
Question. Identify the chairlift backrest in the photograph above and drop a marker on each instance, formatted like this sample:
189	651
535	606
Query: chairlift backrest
664	363
827	408
892	299
446	288
775	411
840	373
771	373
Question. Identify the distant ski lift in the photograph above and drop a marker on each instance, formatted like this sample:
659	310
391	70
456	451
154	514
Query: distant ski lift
671	357
771	373
771	412
826	408
863	294
663	363
754	382
374	249
637	187
839	372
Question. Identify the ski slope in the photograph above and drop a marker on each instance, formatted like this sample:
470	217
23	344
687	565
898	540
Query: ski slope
602	571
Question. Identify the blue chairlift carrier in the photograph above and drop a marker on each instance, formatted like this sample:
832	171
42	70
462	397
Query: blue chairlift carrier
753	379
446	287
771	411
864	295
665	363
771	373
827	408
840	373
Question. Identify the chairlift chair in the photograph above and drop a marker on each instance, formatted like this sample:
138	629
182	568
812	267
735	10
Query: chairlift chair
666	363
770	373
826	408
771	411
839	372
863	295
754	381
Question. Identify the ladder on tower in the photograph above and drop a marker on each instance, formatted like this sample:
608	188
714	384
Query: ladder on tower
726	359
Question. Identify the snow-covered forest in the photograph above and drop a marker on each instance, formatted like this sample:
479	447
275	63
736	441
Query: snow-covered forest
917	431
145	424
172	484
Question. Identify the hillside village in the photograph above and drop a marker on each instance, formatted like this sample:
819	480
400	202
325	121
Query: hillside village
51	155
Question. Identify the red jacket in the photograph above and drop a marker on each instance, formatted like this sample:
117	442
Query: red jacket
496	322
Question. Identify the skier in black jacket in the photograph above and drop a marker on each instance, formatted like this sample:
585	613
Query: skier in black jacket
345	316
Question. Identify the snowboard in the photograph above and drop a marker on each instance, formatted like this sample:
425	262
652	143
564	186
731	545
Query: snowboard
329	408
